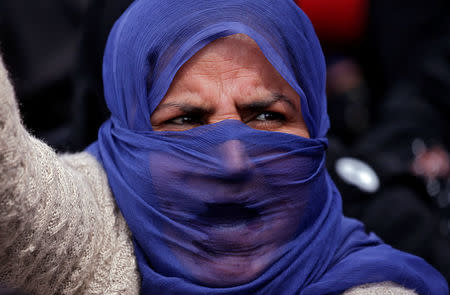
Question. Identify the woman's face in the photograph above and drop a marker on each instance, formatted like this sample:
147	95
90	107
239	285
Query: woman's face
230	79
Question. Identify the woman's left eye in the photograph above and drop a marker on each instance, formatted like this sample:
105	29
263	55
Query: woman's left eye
270	116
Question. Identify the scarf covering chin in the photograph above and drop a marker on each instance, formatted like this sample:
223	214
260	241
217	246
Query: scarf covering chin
275	225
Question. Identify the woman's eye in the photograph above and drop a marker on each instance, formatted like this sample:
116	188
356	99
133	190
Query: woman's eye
267	121
270	116
185	120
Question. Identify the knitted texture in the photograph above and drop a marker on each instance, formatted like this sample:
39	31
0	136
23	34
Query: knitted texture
386	288
60	229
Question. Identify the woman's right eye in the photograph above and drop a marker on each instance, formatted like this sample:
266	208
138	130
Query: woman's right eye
186	120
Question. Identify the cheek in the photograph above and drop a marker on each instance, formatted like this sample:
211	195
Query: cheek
296	130
295	123
297	126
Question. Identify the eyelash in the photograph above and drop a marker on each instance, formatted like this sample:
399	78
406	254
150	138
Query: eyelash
194	119
275	116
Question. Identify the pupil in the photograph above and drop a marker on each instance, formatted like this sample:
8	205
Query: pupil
269	116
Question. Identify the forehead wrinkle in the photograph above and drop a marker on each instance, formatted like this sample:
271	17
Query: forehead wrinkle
210	72
186	106
218	69
249	62
234	53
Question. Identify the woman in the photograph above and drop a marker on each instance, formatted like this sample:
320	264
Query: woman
214	155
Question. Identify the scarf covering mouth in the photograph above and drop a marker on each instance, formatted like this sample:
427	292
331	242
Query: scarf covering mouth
199	226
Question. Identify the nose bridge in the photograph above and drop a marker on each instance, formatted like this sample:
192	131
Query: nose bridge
226	110
235	158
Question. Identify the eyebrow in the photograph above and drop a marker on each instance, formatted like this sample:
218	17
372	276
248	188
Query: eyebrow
252	106
187	108
264	104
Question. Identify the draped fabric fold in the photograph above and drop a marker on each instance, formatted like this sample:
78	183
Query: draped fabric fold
201	226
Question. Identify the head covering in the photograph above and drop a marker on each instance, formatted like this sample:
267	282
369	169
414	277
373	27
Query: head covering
182	202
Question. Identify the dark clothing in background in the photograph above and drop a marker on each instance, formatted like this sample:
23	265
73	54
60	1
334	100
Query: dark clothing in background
406	63
40	43
54	50
98	21
402	32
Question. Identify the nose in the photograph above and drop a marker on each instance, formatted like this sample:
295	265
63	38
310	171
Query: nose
235	159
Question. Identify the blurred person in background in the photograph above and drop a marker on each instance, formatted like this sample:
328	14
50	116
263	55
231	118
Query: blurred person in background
388	93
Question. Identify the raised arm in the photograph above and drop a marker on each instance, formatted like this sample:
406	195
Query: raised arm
60	231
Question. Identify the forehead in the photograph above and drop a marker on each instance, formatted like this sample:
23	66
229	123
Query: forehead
236	59
233	52
228	47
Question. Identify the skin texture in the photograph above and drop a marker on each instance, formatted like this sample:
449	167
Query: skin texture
230	79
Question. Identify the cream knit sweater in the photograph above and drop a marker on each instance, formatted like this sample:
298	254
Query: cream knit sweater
60	229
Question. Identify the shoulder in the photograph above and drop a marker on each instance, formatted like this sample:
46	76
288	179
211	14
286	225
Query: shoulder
384	288
86	166
84	162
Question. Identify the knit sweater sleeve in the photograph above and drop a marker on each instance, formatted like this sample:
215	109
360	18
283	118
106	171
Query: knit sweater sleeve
60	233
382	288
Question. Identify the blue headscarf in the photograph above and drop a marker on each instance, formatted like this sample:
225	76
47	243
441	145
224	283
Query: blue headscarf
185	208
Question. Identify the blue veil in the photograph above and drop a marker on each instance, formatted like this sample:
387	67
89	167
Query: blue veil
185	208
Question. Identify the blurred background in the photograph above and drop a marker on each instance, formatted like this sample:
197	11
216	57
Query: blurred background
388	68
